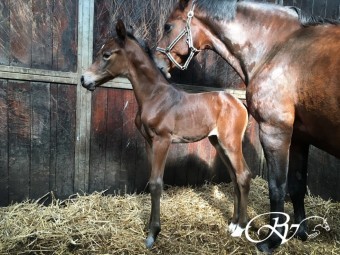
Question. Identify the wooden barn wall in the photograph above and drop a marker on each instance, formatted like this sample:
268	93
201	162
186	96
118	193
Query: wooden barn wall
39	34
118	160
37	133
58	137
38	40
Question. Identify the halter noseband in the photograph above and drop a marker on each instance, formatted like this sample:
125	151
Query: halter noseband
186	31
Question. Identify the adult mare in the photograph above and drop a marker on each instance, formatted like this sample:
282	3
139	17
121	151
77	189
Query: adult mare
290	63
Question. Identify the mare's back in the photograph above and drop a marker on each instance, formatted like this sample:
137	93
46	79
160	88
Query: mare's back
313	55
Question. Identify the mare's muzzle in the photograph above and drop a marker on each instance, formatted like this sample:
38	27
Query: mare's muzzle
185	32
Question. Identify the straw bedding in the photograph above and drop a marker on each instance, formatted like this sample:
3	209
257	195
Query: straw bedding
193	222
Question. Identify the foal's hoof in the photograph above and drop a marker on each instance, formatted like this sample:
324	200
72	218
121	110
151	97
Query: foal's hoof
232	227
150	240
237	232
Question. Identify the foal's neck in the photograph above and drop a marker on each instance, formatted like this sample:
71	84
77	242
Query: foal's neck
145	77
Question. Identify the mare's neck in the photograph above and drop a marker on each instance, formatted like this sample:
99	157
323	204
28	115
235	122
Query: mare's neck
247	41
145	77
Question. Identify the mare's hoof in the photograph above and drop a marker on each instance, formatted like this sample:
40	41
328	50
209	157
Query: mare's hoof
301	235
268	246
149	242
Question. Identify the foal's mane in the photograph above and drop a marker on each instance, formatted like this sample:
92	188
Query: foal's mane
307	20
145	47
142	43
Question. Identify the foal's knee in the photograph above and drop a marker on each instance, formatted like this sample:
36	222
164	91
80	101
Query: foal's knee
156	186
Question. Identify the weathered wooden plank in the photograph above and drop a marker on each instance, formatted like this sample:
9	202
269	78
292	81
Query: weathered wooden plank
323	174
129	141
64	27
289	2
205	172
333	9
195	162
319	8
53	134
307	6
177	164
65	140
127	171
98	140
42	34
19	131
115	106
4	32
142	164
83	121
40	140
22	73
3	144
102	27
21	33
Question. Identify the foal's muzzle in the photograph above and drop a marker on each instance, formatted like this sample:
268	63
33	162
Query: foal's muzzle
89	85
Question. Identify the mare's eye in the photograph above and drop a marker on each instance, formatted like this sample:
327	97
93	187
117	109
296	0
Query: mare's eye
106	55
167	28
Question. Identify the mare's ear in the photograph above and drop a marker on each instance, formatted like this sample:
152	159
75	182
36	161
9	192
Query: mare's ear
121	30
183	3
130	29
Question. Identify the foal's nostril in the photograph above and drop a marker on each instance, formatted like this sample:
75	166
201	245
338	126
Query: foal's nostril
82	79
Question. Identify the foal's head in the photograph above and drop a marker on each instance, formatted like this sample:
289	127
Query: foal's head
111	60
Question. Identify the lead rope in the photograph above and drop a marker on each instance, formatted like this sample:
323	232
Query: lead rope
186	31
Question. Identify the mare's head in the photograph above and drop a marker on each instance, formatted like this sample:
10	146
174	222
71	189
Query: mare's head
185	34
111	60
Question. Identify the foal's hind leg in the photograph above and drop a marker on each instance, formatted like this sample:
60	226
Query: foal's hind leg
233	150
229	148
234	221
159	151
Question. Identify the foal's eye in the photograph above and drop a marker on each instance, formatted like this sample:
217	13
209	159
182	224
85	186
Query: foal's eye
167	28
106	55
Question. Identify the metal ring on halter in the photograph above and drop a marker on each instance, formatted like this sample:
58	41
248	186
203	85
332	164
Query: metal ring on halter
186	31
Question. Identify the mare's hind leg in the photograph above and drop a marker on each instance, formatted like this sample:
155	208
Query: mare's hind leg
159	151
297	182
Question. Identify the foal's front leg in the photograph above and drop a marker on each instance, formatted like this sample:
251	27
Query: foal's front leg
159	152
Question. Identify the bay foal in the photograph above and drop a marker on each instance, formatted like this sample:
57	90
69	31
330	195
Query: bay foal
167	115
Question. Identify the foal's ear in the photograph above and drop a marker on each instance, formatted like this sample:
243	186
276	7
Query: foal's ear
121	30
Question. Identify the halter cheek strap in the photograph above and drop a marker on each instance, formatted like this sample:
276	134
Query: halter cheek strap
186	31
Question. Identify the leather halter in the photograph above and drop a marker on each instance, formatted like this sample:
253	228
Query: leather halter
186	31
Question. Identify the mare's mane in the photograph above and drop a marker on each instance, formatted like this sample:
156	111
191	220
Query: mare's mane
226	10
218	9
307	20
